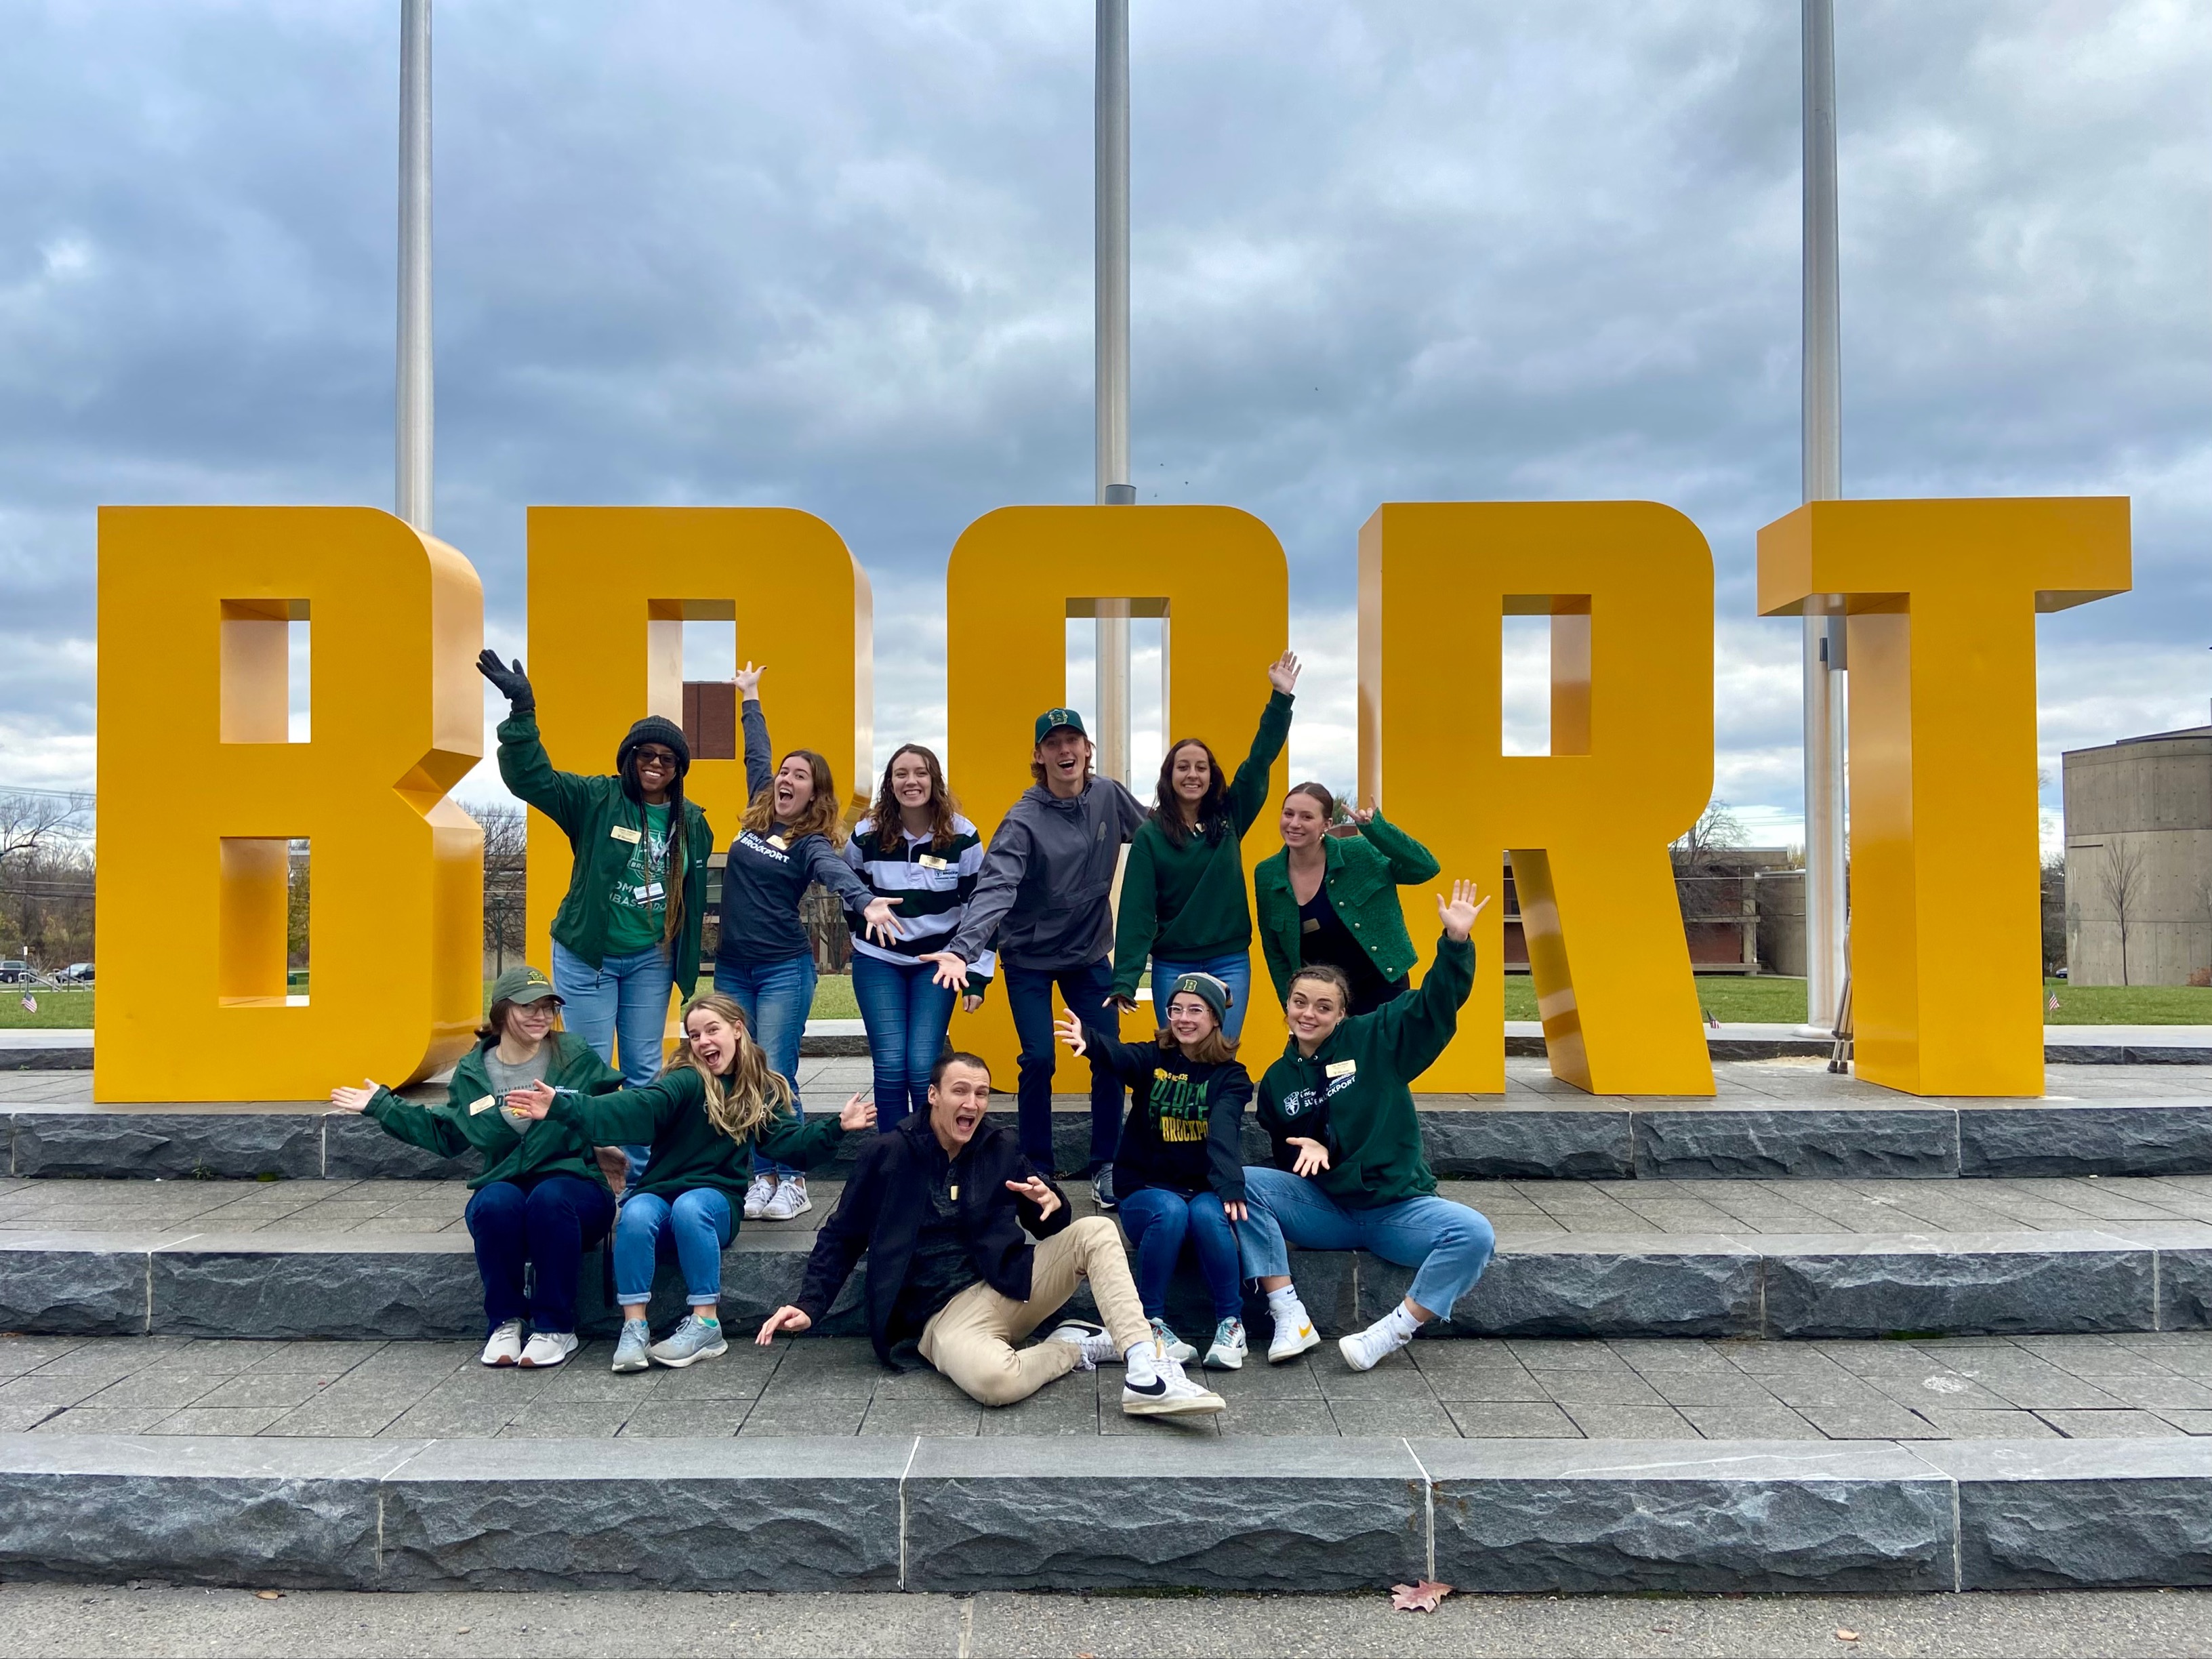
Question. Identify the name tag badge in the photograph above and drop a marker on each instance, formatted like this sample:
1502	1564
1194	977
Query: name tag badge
954	1191
931	861
484	1105
777	843
1309	925
649	895
622	832
1341	1068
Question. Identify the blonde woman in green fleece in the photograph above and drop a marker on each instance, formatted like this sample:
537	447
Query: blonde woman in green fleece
1182	893
1329	899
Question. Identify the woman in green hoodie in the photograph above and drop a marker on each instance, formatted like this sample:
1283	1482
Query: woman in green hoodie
1348	1172
540	1197
1328	898
706	1115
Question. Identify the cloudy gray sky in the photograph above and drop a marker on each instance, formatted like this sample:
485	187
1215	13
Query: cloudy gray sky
839	257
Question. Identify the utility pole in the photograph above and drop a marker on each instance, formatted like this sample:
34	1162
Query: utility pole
414	413
1827	903
1111	243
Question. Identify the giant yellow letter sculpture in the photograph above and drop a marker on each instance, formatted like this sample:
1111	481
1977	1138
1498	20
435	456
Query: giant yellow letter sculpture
1218	578
611	589
201	797
1941	596
1629	587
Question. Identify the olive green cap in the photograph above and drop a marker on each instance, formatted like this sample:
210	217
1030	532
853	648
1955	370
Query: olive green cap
522	985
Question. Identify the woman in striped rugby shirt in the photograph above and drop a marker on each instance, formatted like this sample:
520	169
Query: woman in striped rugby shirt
915	849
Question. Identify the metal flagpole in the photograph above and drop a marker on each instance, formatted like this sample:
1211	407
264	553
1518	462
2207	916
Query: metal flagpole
1825	898
414	413
1112	385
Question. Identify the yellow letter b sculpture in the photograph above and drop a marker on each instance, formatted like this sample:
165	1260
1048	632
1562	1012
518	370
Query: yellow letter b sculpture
213	820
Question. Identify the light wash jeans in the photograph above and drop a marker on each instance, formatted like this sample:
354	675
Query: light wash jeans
1447	1244
777	996
1234	971
699	1221
907	1013
625	1000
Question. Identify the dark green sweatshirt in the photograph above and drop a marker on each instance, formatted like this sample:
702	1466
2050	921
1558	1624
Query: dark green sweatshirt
1355	1094
687	1149
473	1118
1187	903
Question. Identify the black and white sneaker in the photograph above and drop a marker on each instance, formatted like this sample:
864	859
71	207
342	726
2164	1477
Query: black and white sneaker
1156	1387
1093	1346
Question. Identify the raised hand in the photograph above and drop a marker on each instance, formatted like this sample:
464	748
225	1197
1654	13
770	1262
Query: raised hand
1283	673
1458	914
513	683
1039	1192
533	1099
859	1113
1312	1158
1070	1031
786	1318
883	926
951	969
354	1100
1363	816
748	682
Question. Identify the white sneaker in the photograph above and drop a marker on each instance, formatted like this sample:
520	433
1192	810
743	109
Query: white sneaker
1229	1349
504	1346
1158	1388
1294	1335
790	1199
1364	1350
547	1349
1171	1345
1094	1347
757	1196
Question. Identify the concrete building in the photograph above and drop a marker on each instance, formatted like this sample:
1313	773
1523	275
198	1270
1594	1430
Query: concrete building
2139	860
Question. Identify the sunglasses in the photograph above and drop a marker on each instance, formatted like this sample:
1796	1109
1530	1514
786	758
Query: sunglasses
656	756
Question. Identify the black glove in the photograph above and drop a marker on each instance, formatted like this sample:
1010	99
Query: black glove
514	684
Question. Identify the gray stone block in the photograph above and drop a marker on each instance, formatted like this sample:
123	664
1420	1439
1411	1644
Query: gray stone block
1584	1143
1577	1516
391	1286
2080	1514
2108	1140
1593	1286
168	1146
291	1514
2184	1290
1825	1143
1959	1284
75	1284
556	1515
1281	1514
71	1059
357	1148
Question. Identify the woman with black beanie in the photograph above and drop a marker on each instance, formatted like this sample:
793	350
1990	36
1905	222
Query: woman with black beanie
628	928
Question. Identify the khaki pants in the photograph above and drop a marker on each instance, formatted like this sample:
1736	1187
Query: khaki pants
971	1339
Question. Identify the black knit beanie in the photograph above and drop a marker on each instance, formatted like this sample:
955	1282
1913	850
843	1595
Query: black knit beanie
654	728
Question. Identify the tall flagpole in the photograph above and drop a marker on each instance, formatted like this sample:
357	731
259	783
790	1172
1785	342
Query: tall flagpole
1112	381
414	412
1826	902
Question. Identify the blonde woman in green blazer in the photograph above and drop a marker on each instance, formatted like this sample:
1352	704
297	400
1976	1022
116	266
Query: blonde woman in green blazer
1331	898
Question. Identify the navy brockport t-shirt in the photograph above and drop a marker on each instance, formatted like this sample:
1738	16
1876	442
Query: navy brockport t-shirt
765	876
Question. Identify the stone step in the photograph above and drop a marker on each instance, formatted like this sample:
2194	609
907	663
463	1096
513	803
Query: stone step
985	1513
1601	1141
2125	1276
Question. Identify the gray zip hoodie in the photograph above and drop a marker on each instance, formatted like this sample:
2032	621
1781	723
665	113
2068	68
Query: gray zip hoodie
1045	883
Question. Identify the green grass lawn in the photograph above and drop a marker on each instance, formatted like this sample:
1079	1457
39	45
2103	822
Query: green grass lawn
56	1009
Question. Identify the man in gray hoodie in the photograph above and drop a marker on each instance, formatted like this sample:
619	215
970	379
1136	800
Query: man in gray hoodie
1045	891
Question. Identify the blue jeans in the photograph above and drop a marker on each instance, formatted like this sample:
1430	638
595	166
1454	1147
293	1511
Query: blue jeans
1234	971
1085	990
777	996
1447	1244
550	1226
1157	1221
907	1013
624	997
699	1219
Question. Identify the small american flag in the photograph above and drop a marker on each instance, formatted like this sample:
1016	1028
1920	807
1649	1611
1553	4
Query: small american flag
30	1003
2053	1007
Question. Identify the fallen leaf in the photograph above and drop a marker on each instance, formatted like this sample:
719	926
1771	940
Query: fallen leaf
268	1595
1843	1635
1418	1598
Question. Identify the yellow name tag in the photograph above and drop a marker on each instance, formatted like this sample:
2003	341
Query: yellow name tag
1309	925
931	861
1341	1068
954	1193
776	841
484	1105
622	832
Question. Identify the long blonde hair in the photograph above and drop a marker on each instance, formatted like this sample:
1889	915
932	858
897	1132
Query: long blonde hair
754	1094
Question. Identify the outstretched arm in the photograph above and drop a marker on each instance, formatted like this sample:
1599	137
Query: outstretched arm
1417	1027
1248	790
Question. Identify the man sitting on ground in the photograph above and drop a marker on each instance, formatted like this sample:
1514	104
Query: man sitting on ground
940	1205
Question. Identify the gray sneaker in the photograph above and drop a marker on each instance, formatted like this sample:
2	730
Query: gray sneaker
694	1339
629	1351
1101	1187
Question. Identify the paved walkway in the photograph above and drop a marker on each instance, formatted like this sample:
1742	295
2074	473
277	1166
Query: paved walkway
1962	1388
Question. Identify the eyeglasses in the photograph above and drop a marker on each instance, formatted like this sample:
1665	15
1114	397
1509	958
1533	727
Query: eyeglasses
656	756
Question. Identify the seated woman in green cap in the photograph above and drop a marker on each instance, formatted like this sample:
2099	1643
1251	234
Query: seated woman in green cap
540	1197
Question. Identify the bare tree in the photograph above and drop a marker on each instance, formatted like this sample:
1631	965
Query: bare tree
2120	877
33	818
1716	830
505	833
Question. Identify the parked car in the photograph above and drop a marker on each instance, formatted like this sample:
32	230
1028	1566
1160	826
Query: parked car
15	971
77	973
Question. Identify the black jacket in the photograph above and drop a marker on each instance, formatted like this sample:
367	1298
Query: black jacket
1162	1083
886	1200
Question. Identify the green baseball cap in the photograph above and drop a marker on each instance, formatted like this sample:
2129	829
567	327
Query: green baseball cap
1052	719
522	985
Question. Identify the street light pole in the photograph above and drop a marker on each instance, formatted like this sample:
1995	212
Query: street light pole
1826	902
414	412
1112	378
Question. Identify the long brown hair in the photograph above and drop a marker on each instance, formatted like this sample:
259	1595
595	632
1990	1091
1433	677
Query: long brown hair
822	815
1167	805
741	1106
890	826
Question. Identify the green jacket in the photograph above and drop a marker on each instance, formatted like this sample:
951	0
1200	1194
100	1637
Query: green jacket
1362	873
687	1149
471	1118
1355	1095
588	810
1186	902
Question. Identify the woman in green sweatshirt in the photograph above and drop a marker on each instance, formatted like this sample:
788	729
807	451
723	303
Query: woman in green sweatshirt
1328	898
706	1115
1348	1172
540	1197
1182	892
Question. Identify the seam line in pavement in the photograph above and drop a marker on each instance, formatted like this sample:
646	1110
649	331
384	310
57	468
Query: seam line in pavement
912	1452
1428	1510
